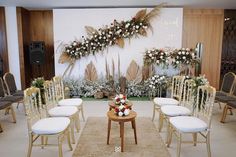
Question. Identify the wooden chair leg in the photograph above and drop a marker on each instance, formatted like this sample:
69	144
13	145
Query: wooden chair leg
60	146
208	145
170	136
154	112
108	130
68	140
195	139
82	112
224	114
179	145
72	131
161	119
76	122
13	114
30	145
1	130
42	142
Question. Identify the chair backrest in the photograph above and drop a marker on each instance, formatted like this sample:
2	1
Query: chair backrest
177	87
58	88
10	83
188	99
33	106
227	83
49	95
2	93
205	101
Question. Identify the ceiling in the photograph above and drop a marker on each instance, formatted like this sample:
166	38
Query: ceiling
48	4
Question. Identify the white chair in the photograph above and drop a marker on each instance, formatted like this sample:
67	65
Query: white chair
184	109
60	111
60	96
40	126
199	123
176	93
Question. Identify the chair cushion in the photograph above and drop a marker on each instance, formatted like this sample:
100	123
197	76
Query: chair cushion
219	93
11	98
165	101
173	110
70	102
48	126
232	104
62	111
18	93
225	98
4	104
188	124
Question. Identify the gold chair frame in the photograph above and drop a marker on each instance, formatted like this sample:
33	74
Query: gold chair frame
51	103
34	112
204	114
60	93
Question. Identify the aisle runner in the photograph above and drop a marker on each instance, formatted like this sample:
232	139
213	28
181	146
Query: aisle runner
92	142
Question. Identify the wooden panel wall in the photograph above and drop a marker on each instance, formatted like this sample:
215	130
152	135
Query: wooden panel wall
3	41
35	26
205	26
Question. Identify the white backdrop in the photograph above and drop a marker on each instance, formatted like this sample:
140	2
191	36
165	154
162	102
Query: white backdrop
68	24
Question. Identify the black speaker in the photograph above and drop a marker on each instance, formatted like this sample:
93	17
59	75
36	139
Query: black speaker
37	52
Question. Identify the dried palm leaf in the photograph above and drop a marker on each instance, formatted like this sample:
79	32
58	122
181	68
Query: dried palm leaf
90	30
120	42
113	68
154	12
91	72
64	58
147	71
134	73
141	14
119	74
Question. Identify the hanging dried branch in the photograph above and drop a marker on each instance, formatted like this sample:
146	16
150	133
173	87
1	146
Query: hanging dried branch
154	12
120	42
91	72
141	14
134	73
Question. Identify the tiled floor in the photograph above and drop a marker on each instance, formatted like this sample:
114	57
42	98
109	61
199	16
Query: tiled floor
14	139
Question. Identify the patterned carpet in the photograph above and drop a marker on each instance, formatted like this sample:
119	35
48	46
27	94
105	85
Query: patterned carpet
92	142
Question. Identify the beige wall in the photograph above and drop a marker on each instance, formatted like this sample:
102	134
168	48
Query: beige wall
205	26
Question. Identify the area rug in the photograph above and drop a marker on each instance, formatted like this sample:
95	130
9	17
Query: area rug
92	142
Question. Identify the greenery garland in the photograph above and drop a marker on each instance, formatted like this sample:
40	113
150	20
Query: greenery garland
100	39
156	56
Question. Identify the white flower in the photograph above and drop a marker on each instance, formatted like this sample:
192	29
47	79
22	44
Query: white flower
122	101
177	62
120	114
161	57
67	50
74	43
121	107
179	52
121	96
187	49
157	61
126	112
137	26
187	53
184	57
183	52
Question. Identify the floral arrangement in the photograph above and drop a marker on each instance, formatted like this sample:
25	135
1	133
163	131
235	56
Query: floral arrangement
115	33
156	56
157	81
38	82
198	81
184	56
121	108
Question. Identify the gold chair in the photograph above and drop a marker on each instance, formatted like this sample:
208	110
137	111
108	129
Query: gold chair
199	123
40	126
176	94
60	96
185	108
60	111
